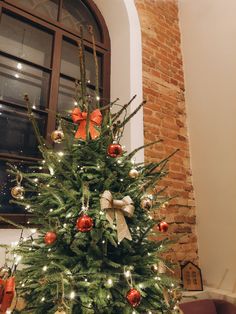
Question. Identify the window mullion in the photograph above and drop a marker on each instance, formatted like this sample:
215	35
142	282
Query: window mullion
60	10
54	86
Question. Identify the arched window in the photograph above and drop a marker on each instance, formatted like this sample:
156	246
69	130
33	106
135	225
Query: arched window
39	56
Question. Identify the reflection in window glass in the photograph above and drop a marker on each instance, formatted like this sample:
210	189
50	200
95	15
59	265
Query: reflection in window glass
70	62
16	79
46	8
25	41
66	101
17	135
75	13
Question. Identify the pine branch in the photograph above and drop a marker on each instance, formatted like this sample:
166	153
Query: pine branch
141	147
119	113
34	124
125	121
10	222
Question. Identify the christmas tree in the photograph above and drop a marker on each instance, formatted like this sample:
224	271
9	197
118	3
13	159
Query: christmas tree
93	250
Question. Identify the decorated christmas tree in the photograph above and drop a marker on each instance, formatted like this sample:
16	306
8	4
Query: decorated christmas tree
93	207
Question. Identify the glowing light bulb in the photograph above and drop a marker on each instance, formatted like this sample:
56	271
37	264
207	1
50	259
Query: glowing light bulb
43	299
72	295
110	282
19	66
45	268
16	75
127	274
33	230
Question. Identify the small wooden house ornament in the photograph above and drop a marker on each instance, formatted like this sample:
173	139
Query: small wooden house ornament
191	277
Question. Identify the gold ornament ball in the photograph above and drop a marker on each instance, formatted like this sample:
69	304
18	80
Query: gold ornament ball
133	173
18	192
60	311
57	136
146	203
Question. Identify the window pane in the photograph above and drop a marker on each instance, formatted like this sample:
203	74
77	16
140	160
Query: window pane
47	8
75	13
25	41
6	186
66	101
17	135
16	79
70	62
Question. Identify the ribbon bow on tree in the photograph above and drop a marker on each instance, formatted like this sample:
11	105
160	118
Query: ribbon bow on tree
118	209
95	120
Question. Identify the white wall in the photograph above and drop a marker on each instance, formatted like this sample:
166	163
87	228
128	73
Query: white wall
208	30
126	75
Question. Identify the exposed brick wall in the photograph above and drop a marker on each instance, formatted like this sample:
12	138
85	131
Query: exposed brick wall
165	116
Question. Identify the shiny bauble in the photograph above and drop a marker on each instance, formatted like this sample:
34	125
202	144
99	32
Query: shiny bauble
133	173
18	192
57	136
60	310
50	238
84	223
133	296
114	150
163	226
146	203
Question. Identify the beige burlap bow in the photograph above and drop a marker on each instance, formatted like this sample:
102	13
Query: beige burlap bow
118	209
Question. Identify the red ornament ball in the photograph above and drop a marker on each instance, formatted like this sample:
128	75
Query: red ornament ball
163	226
50	237
114	150
133	297
84	223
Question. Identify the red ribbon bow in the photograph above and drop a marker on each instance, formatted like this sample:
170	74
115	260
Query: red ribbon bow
95	120
7	292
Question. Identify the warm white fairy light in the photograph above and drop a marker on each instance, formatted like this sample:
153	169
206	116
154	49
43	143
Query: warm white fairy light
65	225
45	268
108	296
158	278
97	98
19	66
155	267
40	168
48	185
149	254
85	279
172	284
27	207
72	295
69	215
60	154
17	75
33	230
109	282
127	274
43	299
8	312
22	285
103	241
149	312
138	228
49	250
121	179
140	286
75	103
134	312
43	161
39	194
51	210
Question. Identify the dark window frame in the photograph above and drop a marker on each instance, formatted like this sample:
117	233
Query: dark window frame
59	32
